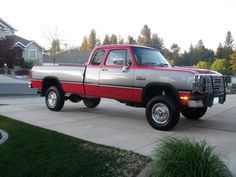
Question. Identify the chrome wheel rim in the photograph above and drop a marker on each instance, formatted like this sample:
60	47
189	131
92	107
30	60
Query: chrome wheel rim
52	99
160	113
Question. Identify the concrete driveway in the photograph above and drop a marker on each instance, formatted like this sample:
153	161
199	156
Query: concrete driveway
12	86
115	124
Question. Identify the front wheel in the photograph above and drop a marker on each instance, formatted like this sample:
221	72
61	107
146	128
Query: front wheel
91	102
162	113
193	113
54	98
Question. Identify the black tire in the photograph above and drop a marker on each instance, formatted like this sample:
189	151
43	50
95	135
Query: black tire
167	108
193	113
91	103
54	98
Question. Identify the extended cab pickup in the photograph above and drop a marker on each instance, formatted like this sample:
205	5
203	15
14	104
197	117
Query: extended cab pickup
137	76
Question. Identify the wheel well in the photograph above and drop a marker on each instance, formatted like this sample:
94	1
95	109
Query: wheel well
158	89
48	82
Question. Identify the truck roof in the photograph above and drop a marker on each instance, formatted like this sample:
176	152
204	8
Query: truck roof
110	46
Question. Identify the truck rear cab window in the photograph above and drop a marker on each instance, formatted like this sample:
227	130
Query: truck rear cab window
118	57
97	58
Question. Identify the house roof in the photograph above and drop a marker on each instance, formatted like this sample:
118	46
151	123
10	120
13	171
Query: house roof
4	24
68	57
22	41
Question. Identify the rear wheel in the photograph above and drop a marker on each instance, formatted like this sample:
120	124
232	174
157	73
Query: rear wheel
193	113
91	102
162	112
54	98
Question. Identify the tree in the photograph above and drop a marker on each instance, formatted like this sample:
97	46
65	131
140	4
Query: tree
131	40
85	45
121	40
145	37
113	39
233	62
54	38
229	40
55	46
175	52
228	47
202	65
157	42
6	53
220	65
200	46
106	40
220	51
92	41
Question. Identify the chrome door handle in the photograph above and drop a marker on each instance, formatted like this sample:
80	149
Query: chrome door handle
104	69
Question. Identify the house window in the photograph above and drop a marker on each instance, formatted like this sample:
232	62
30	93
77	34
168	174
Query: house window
32	54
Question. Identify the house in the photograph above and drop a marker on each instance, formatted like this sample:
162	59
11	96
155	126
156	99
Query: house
30	50
72	56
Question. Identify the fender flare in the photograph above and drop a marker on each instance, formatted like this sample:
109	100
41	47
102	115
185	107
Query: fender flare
160	84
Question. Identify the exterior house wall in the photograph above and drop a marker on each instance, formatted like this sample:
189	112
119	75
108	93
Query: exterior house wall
233	80
32	53
5	30
4	33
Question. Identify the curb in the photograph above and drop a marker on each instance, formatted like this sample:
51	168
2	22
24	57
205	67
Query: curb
146	171
4	136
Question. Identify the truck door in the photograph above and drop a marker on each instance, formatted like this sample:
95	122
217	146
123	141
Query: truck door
116	75
92	74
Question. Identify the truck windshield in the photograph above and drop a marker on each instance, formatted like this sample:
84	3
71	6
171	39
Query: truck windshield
149	57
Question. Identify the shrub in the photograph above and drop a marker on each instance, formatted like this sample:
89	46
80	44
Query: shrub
22	72
187	158
27	65
2	70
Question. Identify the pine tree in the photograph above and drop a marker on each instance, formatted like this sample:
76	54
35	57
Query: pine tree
145	37
157	42
113	39
229	40
85	46
131	40
121	40
220	51
92	42
106	40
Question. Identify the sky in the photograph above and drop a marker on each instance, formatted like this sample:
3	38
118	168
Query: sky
184	22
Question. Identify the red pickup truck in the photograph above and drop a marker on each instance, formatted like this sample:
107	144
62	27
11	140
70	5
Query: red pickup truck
137	76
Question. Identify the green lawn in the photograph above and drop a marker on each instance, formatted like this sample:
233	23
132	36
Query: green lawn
35	152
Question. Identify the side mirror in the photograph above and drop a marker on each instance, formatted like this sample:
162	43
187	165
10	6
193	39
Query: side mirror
125	68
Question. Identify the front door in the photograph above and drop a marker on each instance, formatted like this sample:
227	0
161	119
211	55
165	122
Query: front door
116	76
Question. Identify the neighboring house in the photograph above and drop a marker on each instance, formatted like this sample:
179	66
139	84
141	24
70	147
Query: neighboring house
6	29
67	57
31	51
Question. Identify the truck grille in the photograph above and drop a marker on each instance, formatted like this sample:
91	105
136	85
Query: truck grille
209	84
218	84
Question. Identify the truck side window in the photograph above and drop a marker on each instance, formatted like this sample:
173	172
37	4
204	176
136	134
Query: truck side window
97	58
118	57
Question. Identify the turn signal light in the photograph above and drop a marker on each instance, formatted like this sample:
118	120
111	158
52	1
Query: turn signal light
184	97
